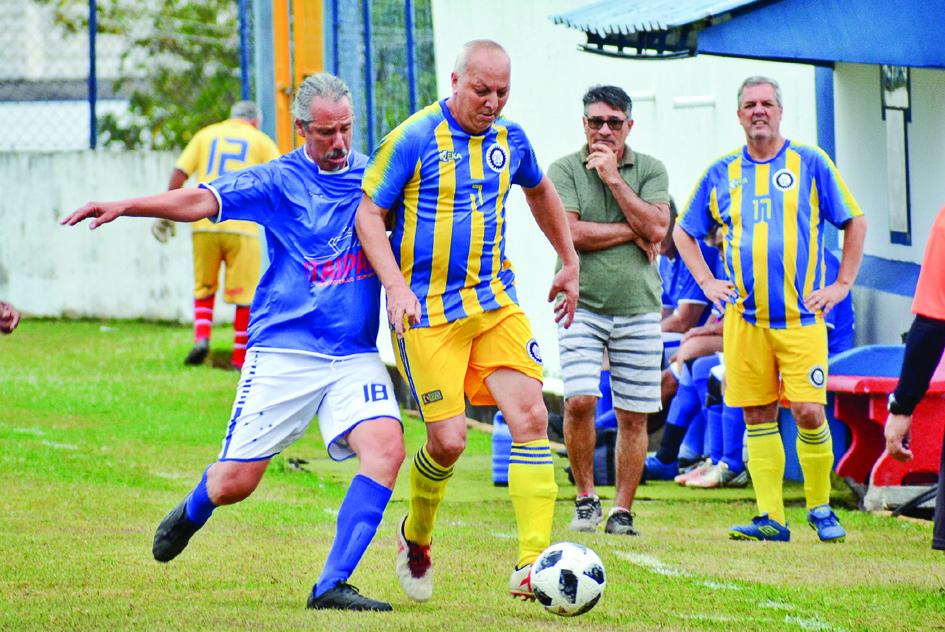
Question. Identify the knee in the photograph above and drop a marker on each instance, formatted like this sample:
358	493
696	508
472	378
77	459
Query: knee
391	454
808	416
579	407
446	449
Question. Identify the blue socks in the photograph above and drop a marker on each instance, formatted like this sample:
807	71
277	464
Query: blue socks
733	438
358	519
714	437
199	505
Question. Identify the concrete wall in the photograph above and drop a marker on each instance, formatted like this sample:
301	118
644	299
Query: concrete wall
684	112
861	153
117	271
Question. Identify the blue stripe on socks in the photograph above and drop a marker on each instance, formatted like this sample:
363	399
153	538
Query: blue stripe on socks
358	519
199	505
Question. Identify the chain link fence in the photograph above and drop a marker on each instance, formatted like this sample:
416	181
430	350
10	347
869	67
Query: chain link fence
164	69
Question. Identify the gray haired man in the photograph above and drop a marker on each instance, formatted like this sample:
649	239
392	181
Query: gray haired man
617	203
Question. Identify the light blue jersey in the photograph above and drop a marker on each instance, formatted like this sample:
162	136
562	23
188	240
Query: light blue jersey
319	294
679	286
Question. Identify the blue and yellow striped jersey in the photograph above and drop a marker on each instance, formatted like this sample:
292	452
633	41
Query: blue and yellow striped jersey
447	189
772	217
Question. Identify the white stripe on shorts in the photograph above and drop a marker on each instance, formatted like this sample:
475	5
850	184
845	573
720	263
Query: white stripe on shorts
635	351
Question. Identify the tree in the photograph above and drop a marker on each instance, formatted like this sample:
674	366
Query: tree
179	66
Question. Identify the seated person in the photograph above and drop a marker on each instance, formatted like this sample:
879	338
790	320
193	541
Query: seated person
684	304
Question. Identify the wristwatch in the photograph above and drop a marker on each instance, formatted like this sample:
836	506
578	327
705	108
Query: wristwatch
894	406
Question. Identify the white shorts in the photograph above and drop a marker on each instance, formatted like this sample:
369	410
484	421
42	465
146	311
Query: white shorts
635	350
280	392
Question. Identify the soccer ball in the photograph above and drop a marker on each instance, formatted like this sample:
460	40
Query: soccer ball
568	579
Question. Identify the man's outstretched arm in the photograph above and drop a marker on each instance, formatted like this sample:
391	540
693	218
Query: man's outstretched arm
181	205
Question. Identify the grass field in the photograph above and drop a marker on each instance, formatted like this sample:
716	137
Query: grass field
102	431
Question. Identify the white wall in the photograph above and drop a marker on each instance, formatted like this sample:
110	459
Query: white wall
549	77
861	153
117	271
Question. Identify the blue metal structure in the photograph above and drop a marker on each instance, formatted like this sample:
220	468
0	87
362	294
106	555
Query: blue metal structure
808	31
265	65
243	9
93	82
368	73
411	55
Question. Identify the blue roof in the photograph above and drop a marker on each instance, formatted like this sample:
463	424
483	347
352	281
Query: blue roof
607	16
894	32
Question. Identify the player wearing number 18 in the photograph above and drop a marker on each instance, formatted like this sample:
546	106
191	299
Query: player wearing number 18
311	339
771	199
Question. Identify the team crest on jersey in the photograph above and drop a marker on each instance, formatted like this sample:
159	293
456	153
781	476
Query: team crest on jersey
450	156
817	376
534	351
497	158
784	180
734	183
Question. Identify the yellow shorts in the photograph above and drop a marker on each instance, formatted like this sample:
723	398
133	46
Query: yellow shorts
763	365
443	363
241	255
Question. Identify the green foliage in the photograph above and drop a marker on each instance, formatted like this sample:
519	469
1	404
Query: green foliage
180	66
103	430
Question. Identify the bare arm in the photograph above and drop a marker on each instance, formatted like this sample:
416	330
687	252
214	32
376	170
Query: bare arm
178	178
854	235
182	205
716	290
546	208
402	303
684	317
649	221
591	236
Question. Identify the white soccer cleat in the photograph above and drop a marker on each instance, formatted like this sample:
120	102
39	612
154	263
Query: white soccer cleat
520	583
414	567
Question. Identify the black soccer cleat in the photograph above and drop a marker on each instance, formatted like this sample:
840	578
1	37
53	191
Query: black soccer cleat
344	596
173	534
199	353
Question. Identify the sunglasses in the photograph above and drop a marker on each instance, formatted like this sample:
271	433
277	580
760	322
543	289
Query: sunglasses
614	123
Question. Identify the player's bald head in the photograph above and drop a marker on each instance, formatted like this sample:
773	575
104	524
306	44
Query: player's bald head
473	49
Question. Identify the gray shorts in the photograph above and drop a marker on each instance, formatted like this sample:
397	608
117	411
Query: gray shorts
635	351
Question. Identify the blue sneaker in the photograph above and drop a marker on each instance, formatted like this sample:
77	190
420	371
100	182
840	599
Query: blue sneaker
656	470
824	521
761	528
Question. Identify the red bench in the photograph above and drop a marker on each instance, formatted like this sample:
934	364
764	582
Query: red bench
860	403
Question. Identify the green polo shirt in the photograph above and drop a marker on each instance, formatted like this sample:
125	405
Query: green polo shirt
618	281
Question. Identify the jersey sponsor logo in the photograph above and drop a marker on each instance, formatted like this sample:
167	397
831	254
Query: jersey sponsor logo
351	266
817	376
497	158
432	396
734	183
534	351
784	180
339	242
450	156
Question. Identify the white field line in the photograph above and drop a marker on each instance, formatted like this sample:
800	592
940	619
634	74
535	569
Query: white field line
59	446
655	565
30	431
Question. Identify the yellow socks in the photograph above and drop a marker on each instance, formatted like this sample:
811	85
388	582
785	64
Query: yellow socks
428	481
533	491
815	453
766	465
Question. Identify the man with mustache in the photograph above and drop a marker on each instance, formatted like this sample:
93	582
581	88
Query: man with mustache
771	199
444	176
312	337
617	202
215	150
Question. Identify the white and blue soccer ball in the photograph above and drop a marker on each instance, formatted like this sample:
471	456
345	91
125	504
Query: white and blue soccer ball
568	579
